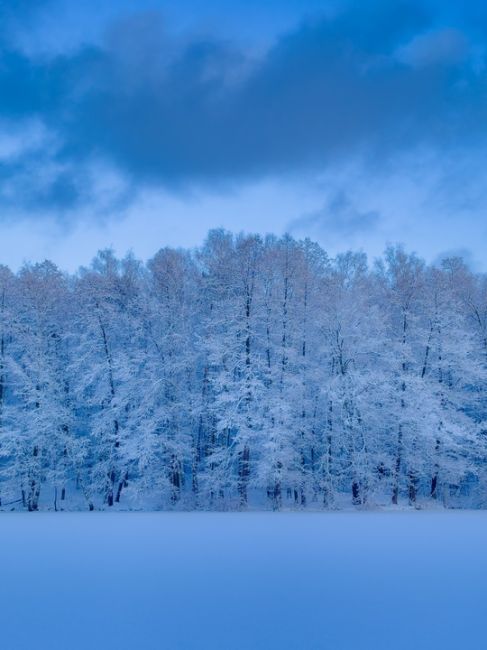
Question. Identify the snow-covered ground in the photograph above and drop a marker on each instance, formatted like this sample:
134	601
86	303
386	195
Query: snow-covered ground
103	581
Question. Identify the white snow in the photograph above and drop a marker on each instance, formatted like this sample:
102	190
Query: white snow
253	581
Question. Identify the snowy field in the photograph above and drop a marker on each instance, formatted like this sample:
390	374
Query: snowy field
243	580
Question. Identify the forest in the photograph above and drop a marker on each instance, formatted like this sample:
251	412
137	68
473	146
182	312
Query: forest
249	373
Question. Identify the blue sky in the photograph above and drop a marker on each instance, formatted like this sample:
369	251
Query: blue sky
143	124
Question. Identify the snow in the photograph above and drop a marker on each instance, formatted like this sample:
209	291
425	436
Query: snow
233	581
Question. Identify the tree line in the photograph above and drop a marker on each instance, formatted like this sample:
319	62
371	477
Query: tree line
249	373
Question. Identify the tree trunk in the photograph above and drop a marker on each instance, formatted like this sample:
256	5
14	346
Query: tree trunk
243	474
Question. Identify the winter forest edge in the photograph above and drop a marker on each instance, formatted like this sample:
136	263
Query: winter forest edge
250	373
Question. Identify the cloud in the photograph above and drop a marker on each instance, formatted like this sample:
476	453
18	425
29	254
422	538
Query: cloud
309	98
338	218
21	138
439	47
158	110
465	254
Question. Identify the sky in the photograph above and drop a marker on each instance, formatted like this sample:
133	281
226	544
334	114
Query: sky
142	124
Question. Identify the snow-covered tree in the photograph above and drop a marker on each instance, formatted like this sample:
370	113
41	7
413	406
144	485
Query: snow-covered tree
251	372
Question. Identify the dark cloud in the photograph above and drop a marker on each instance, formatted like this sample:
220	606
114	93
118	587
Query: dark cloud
375	79
339	217
309	98
14	13
465	254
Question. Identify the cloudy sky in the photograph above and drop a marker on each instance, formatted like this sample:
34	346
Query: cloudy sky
139	124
